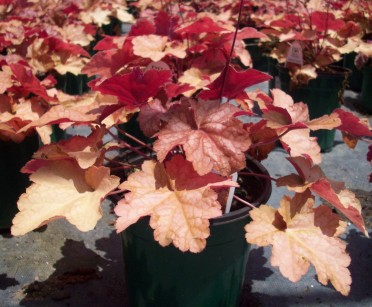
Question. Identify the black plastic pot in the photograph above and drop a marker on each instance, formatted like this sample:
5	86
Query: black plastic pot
322	96
165	276
13	157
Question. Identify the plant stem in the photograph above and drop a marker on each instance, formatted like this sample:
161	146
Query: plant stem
274	139
244	201
257	175
133	138
125	144
224	72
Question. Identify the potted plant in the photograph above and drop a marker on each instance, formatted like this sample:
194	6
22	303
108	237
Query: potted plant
174	69
308	39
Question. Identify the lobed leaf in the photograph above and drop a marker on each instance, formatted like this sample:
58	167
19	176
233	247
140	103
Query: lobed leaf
62	189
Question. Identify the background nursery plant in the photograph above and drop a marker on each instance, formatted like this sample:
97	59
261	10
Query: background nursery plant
173	74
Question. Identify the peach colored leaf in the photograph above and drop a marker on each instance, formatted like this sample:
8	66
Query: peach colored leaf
180	209
299	143
298	241
325	122
6	81
62	189
71	109
210	135
156	47
85	150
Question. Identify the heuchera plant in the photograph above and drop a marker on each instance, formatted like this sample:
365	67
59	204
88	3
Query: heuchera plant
320	31
174	74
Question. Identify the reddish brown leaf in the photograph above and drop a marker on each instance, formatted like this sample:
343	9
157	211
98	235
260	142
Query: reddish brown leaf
135	88
235	83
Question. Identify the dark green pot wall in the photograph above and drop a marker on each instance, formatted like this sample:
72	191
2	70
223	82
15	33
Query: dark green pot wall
321	96
356	77
366	92
13	157
164	276
259	60
272	71
73	84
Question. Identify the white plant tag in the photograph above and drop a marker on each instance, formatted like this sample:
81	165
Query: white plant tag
295	54
159	66
231	193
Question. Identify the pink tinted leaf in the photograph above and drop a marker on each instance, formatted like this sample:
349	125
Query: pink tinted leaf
202	25
211	137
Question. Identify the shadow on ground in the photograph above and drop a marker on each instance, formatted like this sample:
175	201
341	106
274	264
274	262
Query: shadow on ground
82	277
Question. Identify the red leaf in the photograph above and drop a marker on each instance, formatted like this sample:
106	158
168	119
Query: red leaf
56	44
235	83
352	124
202	25
142	27
174	90
324	189
165	24
110	42
135	88
106	63
326	21
28	81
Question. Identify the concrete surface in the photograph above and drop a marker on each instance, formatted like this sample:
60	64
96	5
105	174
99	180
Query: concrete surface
60	266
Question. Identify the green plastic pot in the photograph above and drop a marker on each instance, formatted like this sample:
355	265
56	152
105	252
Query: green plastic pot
13	183
73	84
366	92
355	79
272	71
259	60
322	96
164	276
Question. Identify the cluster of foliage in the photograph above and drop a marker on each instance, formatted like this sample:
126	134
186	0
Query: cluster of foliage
40	41
323	29
174	74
